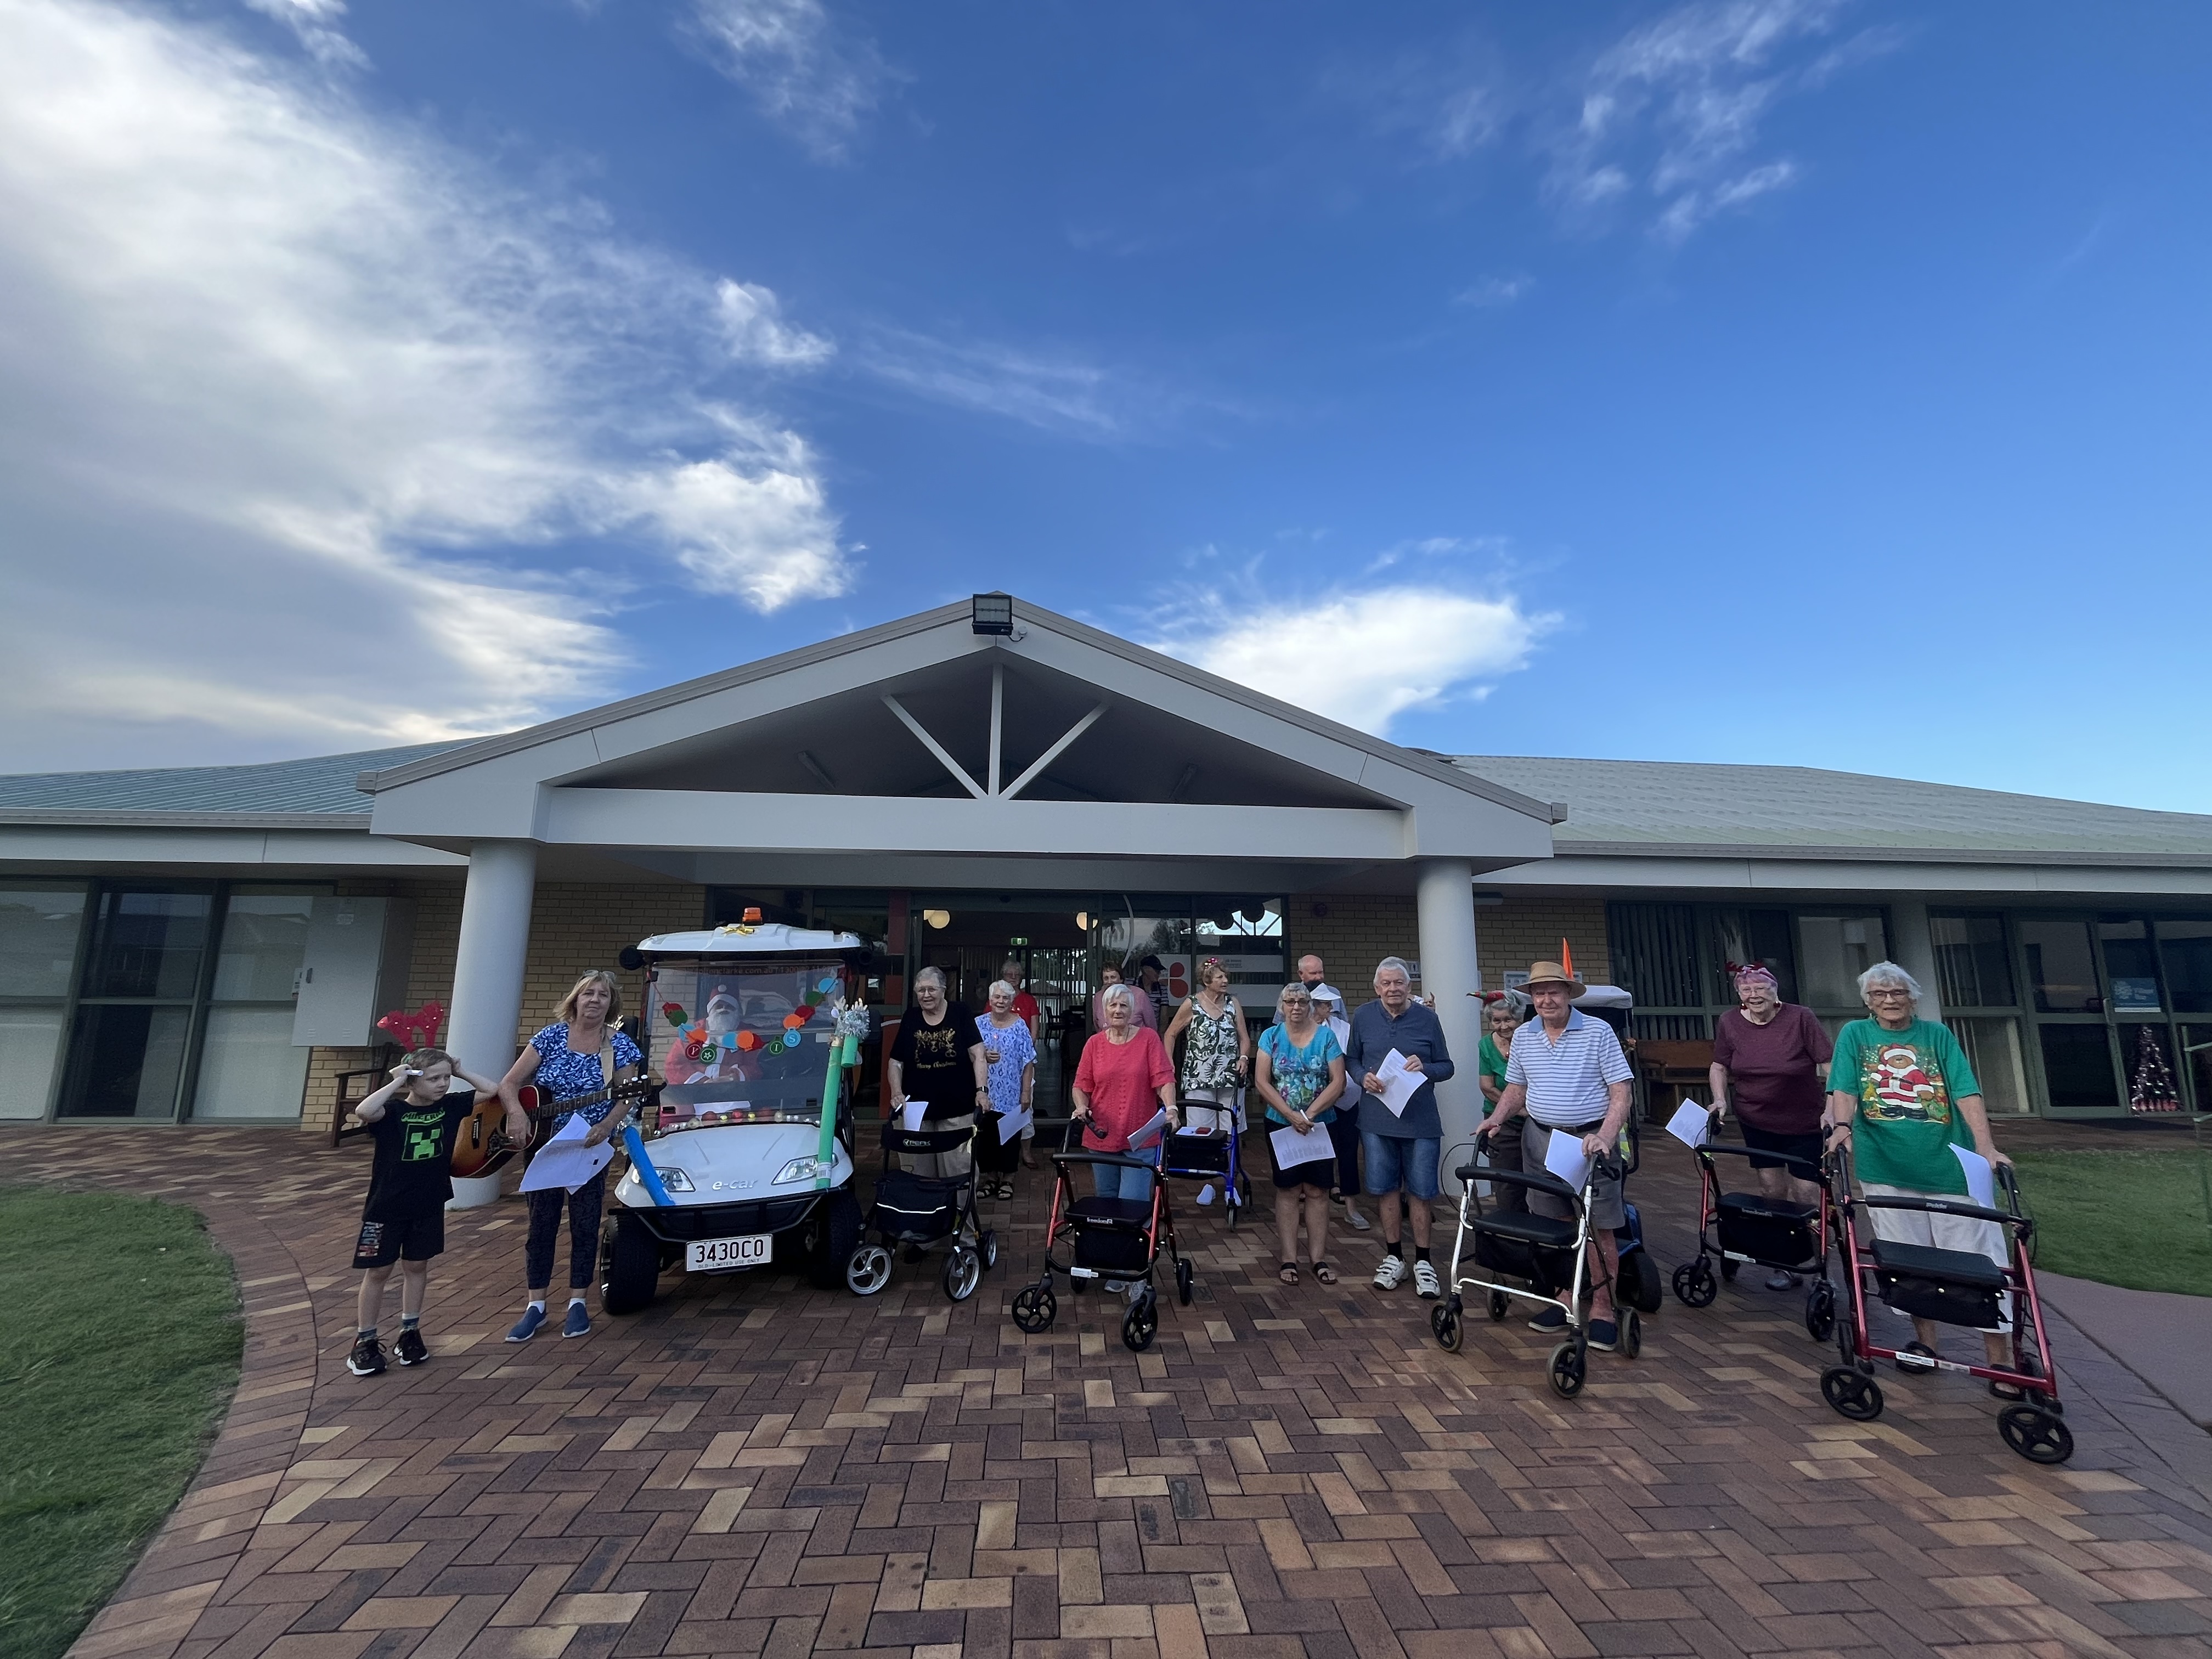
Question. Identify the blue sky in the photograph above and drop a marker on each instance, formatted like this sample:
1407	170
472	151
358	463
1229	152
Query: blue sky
1777	381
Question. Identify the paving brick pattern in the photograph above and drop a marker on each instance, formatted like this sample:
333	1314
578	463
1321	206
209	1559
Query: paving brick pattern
755	1467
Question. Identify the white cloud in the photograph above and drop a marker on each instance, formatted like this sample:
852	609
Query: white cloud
1056	393
316	24
315	435
804	76
753	324
1362	658
1495	290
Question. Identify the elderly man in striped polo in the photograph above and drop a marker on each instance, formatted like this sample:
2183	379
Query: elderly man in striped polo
1567	1073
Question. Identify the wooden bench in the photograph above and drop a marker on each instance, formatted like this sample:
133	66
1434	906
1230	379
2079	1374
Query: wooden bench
1670	1068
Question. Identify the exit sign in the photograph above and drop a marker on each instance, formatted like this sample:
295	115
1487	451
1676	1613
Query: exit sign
1012	942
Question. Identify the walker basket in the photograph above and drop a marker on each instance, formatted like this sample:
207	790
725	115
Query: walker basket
1537	1248
1204	1156
1771	1231
1951	1287
915	1209
1110	1234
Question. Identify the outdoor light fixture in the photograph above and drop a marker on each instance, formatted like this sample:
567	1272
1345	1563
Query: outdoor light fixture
1083	919
938	918
991	613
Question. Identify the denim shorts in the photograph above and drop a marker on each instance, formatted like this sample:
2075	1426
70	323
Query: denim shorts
1392	1163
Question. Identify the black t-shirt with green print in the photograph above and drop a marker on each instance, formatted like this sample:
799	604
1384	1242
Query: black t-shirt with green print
413	1166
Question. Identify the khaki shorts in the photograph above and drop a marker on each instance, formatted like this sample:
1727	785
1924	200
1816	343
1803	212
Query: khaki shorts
1606	1210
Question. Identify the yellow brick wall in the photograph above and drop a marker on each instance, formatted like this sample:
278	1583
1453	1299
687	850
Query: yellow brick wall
1359	930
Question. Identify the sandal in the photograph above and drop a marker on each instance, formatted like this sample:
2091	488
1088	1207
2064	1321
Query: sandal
1290	1274
2008	1391
1323	1274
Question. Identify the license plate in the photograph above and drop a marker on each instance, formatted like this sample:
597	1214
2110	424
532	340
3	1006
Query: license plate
706	1254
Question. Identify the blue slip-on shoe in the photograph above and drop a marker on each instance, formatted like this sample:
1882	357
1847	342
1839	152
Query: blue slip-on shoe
1552	1319
578	1323
1604	1335
526	1327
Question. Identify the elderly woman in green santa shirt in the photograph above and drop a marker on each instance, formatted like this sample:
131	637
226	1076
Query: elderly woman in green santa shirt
1903	1095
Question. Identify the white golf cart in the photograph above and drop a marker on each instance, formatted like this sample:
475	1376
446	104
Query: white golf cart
747	1160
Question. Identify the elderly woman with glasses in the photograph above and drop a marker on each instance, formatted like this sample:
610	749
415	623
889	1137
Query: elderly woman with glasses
1300	1077
1903	1095
1769	1057
1122	1081
1500	1019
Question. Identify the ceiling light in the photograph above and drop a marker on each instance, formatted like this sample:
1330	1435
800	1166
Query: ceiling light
938	918
1083	920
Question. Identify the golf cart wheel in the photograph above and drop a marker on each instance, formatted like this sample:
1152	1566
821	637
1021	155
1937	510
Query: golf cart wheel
964	1271
2039	1435
867	1270
1568	1367
1729	1269
1186	1276
1450	1329
1820	1310
989	1241
1497	1305
1694	1284
1142	1322
1851	1392
1035	1309
837	1234
1631	1334
633	1268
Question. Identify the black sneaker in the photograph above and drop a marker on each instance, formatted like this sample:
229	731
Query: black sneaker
367	1359
409	1349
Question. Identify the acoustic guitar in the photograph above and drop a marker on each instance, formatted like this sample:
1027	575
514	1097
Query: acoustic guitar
481	1145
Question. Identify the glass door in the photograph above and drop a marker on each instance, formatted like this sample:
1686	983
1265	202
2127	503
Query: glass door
131	1039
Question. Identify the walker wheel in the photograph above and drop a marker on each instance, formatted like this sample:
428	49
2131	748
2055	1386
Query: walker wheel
1185	1277
1497	1305
1820	1310
1631	1334
2039	1435
1035	1309
990	1243
1141	1322
1694	1284
964	1271
1447	1327
1852	1393
869	1270
1567	1369
1235	1196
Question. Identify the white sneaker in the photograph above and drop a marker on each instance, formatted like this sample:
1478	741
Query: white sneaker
1351	1214
1425	1281
1205	1193
1391	1274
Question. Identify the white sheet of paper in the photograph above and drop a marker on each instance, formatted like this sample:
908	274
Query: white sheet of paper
1564	1158
1692	1124
565	1162
1293	1148
1150	1131
1399	1084
1981	1178
910	1115
1011	1124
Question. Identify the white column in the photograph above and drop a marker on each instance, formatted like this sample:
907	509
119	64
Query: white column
1913	948
1444	904
488	966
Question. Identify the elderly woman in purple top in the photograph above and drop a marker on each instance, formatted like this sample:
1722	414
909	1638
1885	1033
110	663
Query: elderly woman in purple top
1768	1059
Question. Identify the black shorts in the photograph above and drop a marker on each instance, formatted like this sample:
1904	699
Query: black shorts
385	1239
1806	1147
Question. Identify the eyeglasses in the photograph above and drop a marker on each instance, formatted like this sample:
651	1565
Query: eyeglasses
1291	1000
1889	994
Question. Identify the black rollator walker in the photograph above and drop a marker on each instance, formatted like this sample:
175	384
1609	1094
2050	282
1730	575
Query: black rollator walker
1118	1238
1774	1233
1953	1287
1551	1255
915	1210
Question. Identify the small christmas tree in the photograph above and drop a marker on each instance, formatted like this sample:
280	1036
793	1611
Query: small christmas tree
2150	1080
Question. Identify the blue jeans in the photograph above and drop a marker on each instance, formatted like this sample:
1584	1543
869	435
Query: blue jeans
1392	1163
1112	1181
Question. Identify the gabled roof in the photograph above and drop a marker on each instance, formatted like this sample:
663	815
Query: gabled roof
1686	809
316	792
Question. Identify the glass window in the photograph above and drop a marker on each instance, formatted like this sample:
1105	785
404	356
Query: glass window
1744	937
2199	1063
38	940
1833	952
2187	949
2077	1066
2147	1053
124	1061
1655	954
1992	1049
1973	969
265	942
2130	968
148	944
29	1039
2060	965
248	1066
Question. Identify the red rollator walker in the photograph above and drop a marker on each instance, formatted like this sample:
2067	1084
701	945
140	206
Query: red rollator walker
1953	1287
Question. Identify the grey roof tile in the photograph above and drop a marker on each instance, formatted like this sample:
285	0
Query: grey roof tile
321	784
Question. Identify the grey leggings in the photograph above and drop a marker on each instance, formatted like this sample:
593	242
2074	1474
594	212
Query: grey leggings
584	1206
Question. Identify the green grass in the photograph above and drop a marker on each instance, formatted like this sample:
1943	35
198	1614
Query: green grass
123	1338
2130	1218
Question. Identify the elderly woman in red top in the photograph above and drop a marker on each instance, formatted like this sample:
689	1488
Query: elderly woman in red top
1122	1081
1768	1059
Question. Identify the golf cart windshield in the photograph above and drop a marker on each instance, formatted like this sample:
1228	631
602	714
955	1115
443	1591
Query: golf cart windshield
745	1041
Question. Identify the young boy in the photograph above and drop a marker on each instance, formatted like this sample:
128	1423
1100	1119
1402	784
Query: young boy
413	1121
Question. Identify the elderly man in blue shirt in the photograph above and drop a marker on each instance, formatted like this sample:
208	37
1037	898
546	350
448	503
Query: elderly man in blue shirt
1567	1073
1402	1149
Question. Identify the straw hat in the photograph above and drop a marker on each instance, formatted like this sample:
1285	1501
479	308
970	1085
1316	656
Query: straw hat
1550	973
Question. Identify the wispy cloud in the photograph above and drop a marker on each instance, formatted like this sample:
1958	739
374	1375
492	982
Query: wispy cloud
315	22
373	446
1056	391
816	81
1495	290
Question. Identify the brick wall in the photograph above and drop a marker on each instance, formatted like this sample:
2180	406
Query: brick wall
1359	930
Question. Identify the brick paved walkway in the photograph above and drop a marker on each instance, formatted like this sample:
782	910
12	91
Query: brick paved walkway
756	1467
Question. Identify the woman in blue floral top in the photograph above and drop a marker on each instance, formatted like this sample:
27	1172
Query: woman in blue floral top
1300	1077
580	1054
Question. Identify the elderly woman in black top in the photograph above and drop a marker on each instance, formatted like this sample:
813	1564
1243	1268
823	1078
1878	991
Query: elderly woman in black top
937	1059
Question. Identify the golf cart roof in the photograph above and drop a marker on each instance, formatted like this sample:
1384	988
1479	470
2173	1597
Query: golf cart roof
751	939
1605	996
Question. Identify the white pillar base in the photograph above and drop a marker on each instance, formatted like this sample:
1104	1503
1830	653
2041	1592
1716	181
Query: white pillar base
1444	904
495	944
